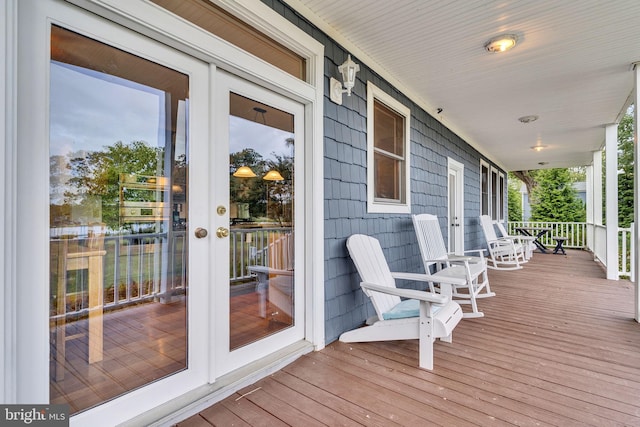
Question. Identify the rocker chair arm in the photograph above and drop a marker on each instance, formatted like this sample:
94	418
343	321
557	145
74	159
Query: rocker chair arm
481	252
419	277
407	293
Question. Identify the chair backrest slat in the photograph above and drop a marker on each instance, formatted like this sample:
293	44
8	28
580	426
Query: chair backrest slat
367	255
429	235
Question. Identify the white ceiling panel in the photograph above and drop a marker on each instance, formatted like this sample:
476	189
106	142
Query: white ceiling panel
571	67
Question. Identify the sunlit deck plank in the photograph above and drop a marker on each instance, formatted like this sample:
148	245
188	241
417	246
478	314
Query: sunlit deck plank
557	346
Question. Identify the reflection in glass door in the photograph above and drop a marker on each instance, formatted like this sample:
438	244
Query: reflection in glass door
118	215
261	140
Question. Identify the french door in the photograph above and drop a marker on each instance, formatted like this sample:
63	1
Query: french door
145	267
456	206
260	310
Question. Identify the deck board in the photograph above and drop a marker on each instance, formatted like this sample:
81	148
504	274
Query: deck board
558	346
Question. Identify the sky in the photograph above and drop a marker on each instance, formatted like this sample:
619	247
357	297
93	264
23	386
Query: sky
90	110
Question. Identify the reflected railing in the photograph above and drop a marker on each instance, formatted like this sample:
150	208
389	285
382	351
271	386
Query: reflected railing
141	267
136	268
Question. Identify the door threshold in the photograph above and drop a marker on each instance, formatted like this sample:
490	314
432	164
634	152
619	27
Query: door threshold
195	401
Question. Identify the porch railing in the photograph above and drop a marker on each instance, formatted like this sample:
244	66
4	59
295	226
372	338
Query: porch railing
576	234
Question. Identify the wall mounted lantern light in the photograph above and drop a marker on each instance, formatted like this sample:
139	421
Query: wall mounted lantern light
348	70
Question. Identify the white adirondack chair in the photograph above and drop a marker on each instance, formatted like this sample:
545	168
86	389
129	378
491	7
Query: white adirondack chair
443	265
526	242
275	280
503	253
424	315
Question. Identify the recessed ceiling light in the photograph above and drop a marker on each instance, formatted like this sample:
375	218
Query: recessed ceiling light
501	43
528	119
538	147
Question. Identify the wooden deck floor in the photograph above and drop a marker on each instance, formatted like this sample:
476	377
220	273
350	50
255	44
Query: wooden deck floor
557	347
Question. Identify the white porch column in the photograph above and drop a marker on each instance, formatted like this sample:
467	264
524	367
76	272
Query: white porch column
636	187
597	188
589	207
611	180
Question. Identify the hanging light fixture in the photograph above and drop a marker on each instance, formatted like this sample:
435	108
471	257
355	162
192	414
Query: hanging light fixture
273	175
244	172
348	69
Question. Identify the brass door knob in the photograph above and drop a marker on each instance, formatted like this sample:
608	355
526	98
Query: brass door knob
201	232
222	232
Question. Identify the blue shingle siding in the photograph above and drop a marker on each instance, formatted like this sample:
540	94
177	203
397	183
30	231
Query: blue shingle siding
345	185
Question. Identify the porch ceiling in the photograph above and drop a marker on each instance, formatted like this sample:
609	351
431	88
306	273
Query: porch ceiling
572	67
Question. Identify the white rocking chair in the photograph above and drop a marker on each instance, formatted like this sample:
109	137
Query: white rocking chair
526	242
504	254
472	269
424	315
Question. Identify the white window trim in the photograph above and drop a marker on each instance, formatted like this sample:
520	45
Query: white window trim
498	197
502	205
374	93
486	165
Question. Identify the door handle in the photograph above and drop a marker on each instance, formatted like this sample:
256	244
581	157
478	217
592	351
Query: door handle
222	232
201	233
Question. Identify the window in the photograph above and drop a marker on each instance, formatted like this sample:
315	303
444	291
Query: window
484	188
214	19
494	194
387	153
492	188
501	210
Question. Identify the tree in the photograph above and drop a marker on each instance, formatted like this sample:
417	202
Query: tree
514	199
97	174
554	199
625	170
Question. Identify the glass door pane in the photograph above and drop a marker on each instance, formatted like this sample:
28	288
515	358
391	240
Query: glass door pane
118	215
261	140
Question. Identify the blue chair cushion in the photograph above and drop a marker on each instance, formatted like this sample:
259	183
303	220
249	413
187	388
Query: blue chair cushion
405	309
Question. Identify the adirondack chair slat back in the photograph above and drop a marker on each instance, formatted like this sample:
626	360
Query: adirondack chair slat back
372	267
429	236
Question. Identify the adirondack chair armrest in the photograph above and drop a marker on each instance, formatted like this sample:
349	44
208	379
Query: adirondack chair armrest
419	277
407	293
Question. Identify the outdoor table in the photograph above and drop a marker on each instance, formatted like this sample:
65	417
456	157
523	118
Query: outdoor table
538	233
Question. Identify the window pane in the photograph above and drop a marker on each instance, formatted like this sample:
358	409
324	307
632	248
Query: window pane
389	130
118	214
484	176
494	195
212	18
388	176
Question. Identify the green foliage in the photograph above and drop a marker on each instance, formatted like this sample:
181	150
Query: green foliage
97	173
554	199
625	166
514	199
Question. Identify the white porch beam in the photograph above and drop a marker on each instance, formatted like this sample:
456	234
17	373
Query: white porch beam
636	188
611	180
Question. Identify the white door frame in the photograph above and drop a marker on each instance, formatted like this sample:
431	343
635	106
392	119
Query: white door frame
156	23
225	360
456	239
32	272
